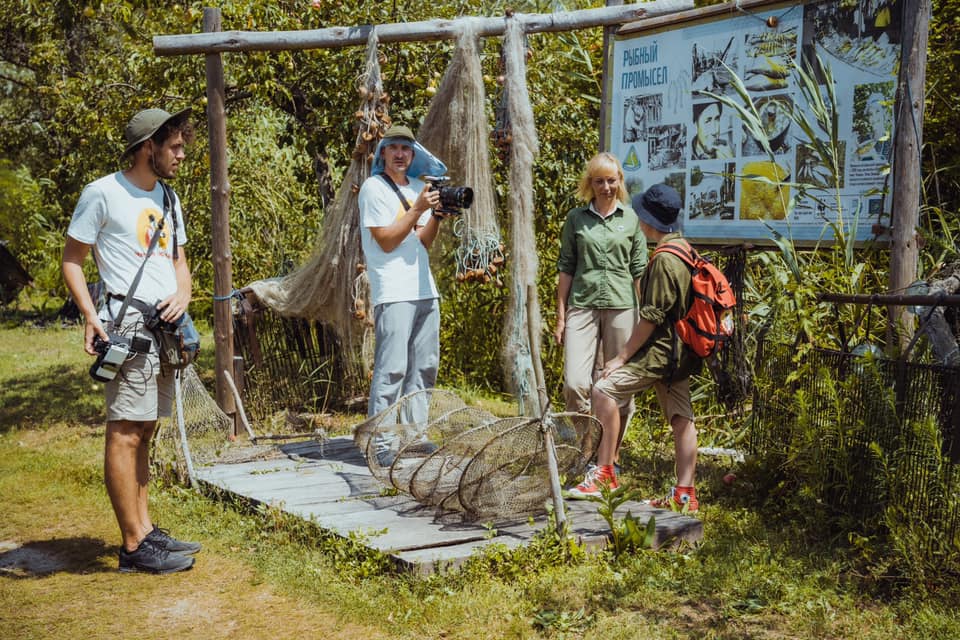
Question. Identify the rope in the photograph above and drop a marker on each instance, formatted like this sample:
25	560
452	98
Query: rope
479	256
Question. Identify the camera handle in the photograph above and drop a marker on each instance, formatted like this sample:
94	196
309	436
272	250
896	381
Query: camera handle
167	206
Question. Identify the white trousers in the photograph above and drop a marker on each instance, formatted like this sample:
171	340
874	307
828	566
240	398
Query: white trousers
406	354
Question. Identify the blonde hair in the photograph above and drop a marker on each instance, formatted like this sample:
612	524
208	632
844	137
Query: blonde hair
598	163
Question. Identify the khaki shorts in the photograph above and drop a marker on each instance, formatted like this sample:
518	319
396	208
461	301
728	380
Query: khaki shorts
141	391
674	397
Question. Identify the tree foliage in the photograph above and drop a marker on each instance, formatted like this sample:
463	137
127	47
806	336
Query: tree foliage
73	72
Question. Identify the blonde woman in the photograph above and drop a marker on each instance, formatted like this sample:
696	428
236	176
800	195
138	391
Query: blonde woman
603	254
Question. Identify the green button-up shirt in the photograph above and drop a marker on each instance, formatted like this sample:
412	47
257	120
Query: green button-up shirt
603	255
666	294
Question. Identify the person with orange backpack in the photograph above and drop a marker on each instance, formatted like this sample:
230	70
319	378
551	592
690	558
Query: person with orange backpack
655	355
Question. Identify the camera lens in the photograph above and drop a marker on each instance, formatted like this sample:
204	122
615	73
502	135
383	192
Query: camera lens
456	197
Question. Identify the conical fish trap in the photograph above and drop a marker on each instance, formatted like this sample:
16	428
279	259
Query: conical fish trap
510	474
399	438
444	453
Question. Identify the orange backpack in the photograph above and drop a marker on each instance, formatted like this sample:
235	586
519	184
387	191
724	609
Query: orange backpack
708	324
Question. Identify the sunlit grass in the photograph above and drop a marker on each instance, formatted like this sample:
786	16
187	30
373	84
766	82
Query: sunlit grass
754	575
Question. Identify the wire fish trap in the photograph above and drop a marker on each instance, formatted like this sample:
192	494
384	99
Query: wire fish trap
510	474
444	453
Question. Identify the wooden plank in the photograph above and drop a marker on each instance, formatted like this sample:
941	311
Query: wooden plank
344	498
404	526
322	483
584	522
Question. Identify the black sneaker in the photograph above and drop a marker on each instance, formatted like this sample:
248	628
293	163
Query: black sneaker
385	448
150	558
420	448
162	538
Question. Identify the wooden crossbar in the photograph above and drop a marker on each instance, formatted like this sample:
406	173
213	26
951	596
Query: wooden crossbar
438	29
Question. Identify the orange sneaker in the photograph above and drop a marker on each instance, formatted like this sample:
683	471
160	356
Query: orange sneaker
683	499
596	477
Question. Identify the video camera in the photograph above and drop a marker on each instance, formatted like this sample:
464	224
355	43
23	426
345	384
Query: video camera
452	199
112	353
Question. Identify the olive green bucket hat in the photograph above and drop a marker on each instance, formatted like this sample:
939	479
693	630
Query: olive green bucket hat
400	131
146	123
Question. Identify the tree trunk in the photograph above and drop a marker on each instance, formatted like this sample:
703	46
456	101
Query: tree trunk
943	340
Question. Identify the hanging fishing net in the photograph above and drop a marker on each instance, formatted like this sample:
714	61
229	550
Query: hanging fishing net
447	454
456	129
521	347
332	287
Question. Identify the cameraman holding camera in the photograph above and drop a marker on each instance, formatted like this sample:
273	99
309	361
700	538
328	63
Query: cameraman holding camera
396	236
118	216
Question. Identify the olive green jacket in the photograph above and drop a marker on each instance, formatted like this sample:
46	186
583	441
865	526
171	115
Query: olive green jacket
604	256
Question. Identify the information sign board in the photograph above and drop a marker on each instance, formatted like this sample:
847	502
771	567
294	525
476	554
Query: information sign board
665	123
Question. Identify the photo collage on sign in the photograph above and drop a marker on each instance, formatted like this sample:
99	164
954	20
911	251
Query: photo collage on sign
714	136
858	44
677	119
769	57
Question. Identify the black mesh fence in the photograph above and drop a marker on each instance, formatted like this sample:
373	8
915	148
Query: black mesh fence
865	433
290	364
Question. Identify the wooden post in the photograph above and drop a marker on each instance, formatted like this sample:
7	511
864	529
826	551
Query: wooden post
547	424
608	33
220	220
908	135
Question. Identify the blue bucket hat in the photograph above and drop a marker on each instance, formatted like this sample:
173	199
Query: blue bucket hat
659	206
424	163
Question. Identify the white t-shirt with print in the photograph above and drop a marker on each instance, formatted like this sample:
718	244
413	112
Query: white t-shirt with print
403	275
119	220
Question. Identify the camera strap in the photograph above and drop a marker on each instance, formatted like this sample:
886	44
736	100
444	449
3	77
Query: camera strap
396	190
168	196
167	206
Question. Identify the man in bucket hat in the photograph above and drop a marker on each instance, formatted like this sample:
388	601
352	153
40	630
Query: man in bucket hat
117	217
397	226
648	359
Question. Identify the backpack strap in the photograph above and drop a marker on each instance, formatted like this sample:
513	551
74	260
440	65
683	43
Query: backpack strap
682	249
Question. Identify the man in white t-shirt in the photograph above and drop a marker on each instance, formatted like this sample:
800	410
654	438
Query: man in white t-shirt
117	217
397	227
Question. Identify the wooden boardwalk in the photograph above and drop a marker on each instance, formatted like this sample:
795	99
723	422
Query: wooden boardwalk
329	483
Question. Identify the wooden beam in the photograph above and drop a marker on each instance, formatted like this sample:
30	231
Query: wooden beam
699	13
333	37
921	300
608	35
220	220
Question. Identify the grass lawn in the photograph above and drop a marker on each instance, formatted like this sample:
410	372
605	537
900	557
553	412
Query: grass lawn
262	576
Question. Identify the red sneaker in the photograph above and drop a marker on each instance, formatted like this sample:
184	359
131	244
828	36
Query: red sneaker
682	499
596	478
